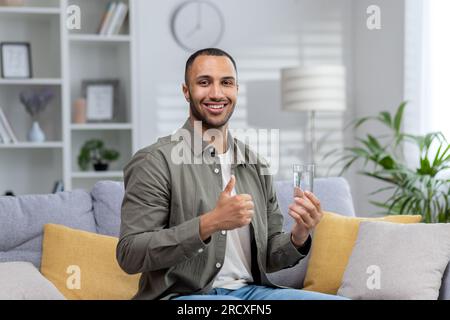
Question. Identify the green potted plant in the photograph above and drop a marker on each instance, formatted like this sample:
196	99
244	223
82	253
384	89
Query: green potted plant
420	190
94	152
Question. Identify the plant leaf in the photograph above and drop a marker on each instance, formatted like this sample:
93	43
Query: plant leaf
399	116
385	117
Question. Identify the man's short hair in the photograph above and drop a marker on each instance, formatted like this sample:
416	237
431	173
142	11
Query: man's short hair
206	52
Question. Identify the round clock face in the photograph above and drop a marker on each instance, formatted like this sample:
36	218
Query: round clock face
197	24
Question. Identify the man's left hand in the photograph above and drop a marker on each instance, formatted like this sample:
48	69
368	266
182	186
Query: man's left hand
307	213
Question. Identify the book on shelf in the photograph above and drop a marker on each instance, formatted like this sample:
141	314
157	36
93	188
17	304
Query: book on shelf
113	18
4	138
7	134
118	19
107	16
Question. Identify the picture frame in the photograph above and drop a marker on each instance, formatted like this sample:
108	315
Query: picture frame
15	60
102	98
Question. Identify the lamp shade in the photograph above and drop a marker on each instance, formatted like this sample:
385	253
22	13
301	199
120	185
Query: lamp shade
313	88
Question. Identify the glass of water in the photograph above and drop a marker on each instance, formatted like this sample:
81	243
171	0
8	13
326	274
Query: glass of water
304	176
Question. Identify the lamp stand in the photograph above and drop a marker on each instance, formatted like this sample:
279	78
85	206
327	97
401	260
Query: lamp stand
312	136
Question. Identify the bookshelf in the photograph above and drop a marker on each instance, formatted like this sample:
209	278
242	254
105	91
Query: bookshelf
61	60
28	82
31	11
29	145
99	38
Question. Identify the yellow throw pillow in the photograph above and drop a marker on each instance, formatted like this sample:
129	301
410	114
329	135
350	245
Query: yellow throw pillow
333	241
82	265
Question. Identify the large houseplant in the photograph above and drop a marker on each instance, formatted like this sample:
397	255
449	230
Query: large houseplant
414	190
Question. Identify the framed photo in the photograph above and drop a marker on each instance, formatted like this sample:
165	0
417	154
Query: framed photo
16	60
101	99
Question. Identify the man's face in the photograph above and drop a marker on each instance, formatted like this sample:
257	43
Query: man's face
211	90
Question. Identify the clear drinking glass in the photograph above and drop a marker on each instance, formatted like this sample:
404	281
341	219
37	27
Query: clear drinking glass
304	176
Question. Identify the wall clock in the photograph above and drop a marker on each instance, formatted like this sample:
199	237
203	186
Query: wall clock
197	24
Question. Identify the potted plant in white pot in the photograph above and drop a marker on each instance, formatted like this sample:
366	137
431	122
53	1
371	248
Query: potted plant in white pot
94	152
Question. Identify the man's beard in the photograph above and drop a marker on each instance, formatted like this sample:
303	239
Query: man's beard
205	123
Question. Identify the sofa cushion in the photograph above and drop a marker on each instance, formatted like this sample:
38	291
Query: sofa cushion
22	281
335	196
397	261
107	197
333	241
83	265
22	220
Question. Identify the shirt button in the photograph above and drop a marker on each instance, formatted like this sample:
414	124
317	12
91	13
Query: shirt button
200	250
216	170
218	265
224	232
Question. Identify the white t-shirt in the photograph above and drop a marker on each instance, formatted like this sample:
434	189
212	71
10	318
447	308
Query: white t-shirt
236	269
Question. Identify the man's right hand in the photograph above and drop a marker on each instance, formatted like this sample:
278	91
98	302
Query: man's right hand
231	212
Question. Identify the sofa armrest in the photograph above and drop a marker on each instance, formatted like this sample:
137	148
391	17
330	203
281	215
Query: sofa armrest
291	277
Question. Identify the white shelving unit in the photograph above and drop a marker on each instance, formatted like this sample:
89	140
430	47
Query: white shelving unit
98	175
30	10
30	82
29	145
61	60
99	38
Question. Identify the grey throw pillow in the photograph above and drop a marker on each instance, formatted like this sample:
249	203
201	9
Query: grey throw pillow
22	281
397	261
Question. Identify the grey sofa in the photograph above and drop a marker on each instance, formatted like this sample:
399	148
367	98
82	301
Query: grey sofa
22	220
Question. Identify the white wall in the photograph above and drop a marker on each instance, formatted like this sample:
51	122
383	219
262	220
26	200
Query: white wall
275	34
252	26
263	36
378	74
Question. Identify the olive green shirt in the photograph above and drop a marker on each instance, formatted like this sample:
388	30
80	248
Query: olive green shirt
168	186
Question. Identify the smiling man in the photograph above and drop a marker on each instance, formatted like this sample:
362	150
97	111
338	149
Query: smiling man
209	229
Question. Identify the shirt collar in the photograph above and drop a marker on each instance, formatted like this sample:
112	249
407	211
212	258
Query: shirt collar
193	138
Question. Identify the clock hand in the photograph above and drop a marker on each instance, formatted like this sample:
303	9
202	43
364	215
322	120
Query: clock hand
189	34
198	25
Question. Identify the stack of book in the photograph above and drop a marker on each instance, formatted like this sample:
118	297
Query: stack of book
7	135
113	18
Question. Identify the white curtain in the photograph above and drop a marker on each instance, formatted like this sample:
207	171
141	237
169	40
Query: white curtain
427	66
427	71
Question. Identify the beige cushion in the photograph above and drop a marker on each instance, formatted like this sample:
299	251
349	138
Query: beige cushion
22	281
397	261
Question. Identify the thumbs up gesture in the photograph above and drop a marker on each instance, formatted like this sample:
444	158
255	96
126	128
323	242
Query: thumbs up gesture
231	212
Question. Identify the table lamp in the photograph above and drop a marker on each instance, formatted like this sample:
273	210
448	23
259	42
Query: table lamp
312	89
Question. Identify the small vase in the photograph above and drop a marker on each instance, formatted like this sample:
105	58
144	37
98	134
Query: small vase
36	134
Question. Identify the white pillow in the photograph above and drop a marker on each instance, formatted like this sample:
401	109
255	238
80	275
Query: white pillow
397	261
22	281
